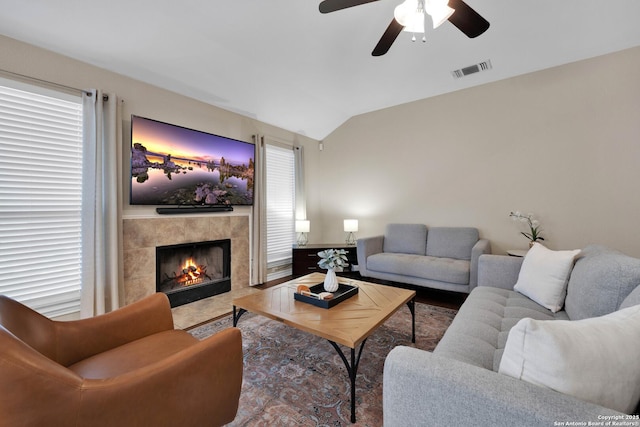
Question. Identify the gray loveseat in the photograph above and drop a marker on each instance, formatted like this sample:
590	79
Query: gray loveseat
439	257
458	384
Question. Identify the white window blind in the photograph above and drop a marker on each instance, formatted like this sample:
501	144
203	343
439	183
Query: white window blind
280	210
40	198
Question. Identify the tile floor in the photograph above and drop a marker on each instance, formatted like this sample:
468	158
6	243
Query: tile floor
189	315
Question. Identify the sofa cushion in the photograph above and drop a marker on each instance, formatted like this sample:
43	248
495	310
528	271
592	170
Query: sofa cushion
479	331
544	274
632	299
405	238
601	279
592	359
439	269
451	242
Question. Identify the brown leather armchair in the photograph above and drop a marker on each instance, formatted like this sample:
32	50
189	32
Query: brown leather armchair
129	367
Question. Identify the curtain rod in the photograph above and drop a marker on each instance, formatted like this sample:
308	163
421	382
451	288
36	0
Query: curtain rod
41	81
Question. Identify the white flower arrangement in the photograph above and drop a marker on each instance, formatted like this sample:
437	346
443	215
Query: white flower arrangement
333	258
534	225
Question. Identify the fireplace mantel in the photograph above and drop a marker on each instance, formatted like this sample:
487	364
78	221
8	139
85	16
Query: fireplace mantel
142	235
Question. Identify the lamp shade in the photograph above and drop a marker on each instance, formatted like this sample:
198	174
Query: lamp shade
303	226
350	225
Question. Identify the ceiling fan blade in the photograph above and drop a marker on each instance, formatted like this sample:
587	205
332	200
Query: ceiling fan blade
467	20
387	38
332	5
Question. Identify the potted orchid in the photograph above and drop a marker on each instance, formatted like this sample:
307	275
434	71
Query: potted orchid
330	259
533	225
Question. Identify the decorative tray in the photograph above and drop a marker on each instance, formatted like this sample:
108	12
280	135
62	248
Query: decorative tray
344	292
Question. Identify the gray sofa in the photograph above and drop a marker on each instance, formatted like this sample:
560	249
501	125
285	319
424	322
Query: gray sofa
439	257
458	383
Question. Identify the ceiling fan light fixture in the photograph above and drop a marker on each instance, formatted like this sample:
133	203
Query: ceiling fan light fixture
439	11
462	16
415	24
440	15
410	15
402	12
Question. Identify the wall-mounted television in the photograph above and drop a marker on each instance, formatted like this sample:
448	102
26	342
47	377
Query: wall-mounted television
177	166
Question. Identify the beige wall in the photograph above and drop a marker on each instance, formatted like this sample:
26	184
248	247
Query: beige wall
149	101
138	98
563	143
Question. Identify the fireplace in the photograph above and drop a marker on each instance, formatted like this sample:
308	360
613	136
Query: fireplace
192	271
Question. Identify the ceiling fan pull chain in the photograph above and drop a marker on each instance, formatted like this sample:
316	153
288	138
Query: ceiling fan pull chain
413	38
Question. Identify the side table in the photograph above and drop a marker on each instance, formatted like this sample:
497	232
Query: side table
517	252
305	258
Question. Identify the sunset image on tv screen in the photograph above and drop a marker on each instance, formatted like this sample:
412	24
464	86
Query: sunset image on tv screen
173	165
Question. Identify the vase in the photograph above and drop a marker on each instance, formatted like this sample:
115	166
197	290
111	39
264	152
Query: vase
331	281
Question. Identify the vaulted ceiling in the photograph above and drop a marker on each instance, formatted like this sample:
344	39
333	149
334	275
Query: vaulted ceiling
284	63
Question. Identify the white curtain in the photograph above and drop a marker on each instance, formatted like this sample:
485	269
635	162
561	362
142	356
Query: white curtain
100	210
301	195
259	224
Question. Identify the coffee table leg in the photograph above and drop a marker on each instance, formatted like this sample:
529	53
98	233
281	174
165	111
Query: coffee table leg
412	308
352	370
236	316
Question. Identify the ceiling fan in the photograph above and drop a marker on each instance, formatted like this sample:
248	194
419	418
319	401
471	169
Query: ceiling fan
410	15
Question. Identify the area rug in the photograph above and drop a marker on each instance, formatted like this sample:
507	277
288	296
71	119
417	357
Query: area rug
293	378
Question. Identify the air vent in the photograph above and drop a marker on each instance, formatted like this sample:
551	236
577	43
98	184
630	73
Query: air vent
472	69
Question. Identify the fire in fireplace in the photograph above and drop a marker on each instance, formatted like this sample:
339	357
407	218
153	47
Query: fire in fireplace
192	271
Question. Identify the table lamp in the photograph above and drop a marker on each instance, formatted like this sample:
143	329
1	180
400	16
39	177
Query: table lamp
302	228
350	227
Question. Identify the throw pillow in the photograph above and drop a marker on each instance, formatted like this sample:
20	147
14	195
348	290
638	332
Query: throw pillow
595	359
544	274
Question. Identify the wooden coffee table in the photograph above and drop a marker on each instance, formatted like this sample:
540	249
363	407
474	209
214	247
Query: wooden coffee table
348	323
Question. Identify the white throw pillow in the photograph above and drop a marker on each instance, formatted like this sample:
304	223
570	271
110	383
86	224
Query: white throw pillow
544	275
592	359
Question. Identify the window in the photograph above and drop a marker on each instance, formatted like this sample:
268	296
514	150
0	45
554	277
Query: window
280	210
40	197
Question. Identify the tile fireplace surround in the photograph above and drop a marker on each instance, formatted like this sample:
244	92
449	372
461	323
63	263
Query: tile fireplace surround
142	235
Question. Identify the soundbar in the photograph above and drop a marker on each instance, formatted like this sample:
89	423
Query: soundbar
193	209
